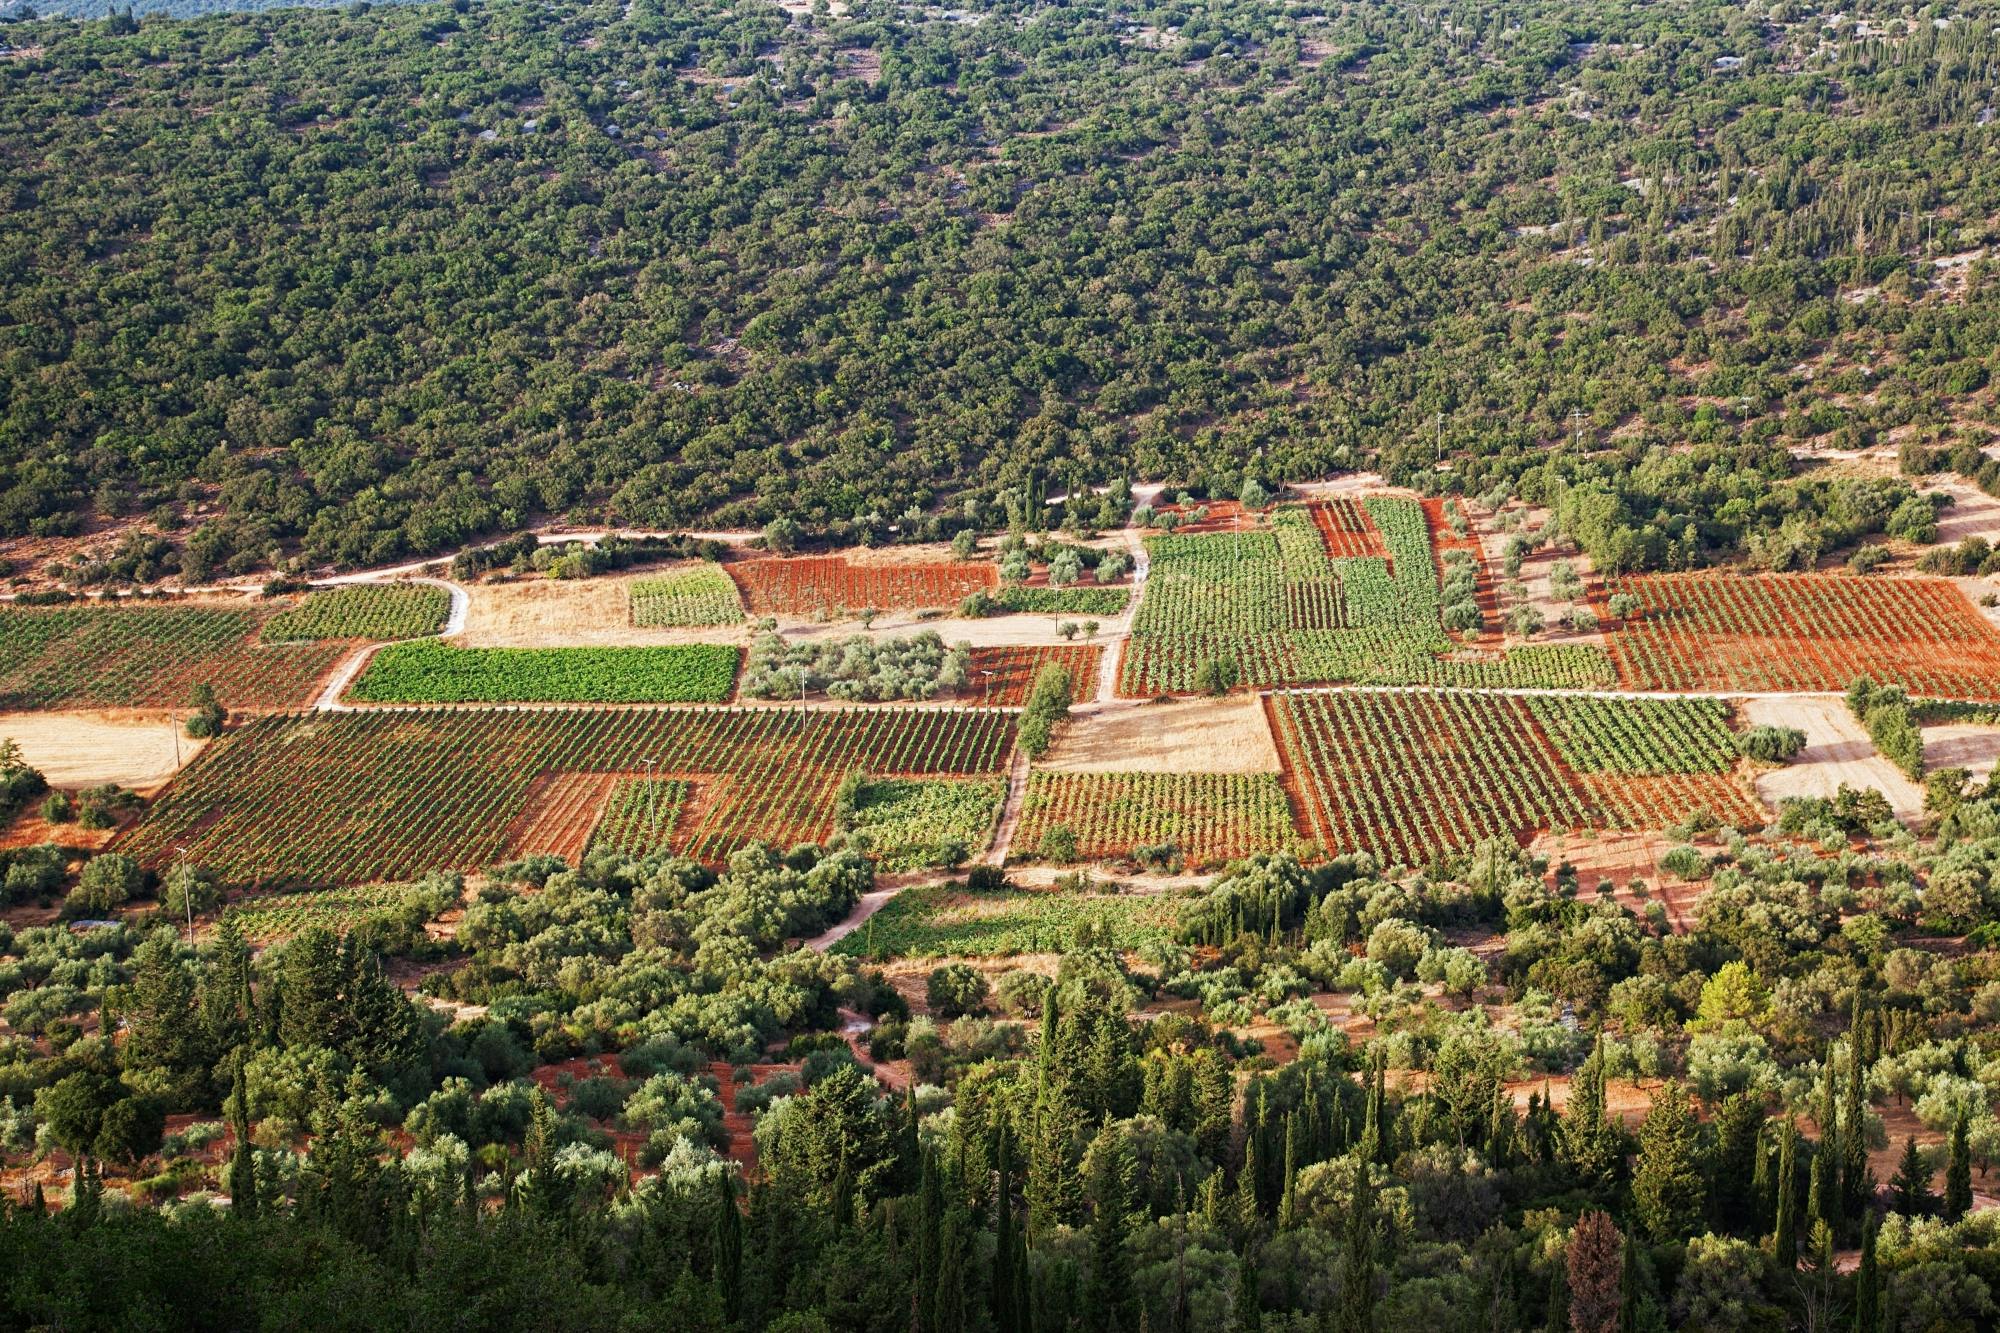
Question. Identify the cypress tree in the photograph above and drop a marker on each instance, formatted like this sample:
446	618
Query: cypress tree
242	1161
1868	1282
1824	1204
930	1239
1667	1186
728	1247
1856	1183
1005	1316
1588	1143
1357	1281
1108	1297
948	1294
1247	1211
1287	1207
1785	1234
1249	1306
1958	1175
1913	1182
1762	1184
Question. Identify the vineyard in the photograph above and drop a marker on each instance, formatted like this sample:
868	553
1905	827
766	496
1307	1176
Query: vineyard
829	587
1343	524
268	918
700	595
1206	818
1410	776
940	921
1284	611
362	611
356	797
1000	677
431	672
908	823
152	657
1713	631
640	817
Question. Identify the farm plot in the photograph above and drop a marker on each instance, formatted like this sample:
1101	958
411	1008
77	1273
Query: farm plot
940	921
829	587
1343	524
640	817
433	672
908	823
356	797
1207	818
272	917
699	595
1804	632
152	657
362	611
1282	610
1409	777
1012	671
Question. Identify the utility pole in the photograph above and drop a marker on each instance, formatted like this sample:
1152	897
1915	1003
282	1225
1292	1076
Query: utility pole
187	890
652	804
1440	457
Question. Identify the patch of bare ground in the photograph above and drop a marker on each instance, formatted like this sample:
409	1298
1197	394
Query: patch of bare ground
543	613
1837	753
1226	735
1971	513
1618	859
134	748
1966	745
858	63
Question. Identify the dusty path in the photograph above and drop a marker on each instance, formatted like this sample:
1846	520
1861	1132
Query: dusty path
1010	813
1114	647
343	676
871	902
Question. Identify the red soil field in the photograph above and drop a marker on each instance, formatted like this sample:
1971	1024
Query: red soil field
1411	776
1220	516
352	798
1444	539
1345	527
1803	632
562	809
1014	671
828	585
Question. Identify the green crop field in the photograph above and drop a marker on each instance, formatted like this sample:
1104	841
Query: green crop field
436	673
944	921
1204	818
640	818
1281	609
152	656
908	823
362	611
270	917
701	595
343	798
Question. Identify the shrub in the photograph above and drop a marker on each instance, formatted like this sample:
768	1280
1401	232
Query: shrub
955	990
1771	745
108	882
1684	862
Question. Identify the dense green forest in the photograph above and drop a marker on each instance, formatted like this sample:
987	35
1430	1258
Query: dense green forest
1072	1151
364	283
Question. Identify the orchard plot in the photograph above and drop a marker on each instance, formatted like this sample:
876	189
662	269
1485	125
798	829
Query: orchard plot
357	797
1412	776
